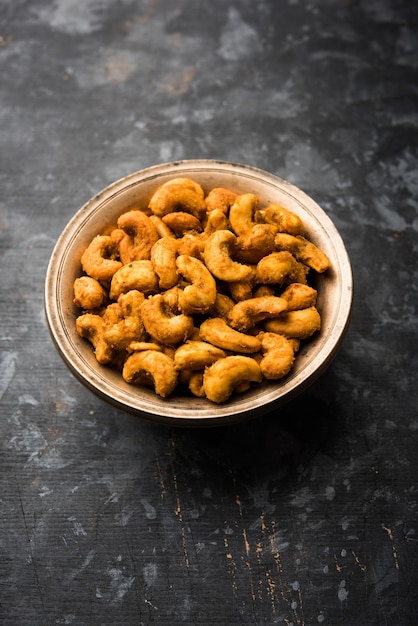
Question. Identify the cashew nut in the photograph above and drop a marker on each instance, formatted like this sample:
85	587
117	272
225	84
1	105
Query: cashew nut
162	323
299	324
284	220
220	198
217	255
196	355
91	327
99	260
216	220
88	293
304	251
181	222
215	330
163	258
178	194
255	244
241	213
151	368
130	328
138	275
278	357
299	296
201	294
222	378
248	313
196	384
162	229
141	234
280	268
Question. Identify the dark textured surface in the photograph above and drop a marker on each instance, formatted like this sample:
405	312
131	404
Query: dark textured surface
301	518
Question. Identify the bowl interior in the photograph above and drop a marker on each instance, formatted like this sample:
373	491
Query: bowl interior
101	212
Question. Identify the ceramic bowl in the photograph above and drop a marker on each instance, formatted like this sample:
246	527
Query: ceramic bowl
334	295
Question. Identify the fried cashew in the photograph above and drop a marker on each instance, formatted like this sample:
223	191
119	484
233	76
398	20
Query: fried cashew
216	220
304	251
196	355
195	383
162	229
278	355
200	295
163	323
220	198
91	327
88	293
227	375
217	256
178	194
280	268
284	220
191	244
299	296
222	305
130	328
246	314
299	324
181	222
151	368
241	213
255	244
140	236
241	289
138	275
100	258
163	259
216	331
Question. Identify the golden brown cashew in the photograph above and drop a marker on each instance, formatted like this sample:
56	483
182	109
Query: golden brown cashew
162	323
299	324
196	355
88	293
178	194
280	268
130	328
226	375
255	244
220	198
138	275
222	305
241	213
215	330
284	220
217	255
99	260
191	244
181	222
304	251
246	314
141	234
92	327
151	368
201	294
299	296
216	220
162	229
163	258
278	356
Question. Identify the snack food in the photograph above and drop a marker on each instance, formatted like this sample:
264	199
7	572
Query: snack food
203	290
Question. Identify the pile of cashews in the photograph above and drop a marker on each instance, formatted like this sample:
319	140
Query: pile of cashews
209	292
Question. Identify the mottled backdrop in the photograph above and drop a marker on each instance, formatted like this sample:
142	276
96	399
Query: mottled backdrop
304	517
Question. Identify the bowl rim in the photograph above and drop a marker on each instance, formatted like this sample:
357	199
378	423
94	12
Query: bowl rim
173	413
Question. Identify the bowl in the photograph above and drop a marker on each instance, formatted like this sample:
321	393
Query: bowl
101	212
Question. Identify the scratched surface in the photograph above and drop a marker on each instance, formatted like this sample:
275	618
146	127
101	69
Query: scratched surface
305	517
